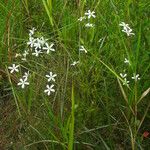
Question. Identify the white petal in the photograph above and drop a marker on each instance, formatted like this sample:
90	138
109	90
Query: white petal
48	93
19	83
23	86
47	86
53	90
47	76
16	70
49	80
27	83
45	91
52	86
10	68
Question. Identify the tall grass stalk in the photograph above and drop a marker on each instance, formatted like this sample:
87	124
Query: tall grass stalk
14	94
71	126
48	8
26	5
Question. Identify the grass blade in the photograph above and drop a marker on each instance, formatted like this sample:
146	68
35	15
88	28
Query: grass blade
48	9
71	128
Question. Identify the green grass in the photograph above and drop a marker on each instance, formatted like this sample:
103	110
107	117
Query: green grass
91	108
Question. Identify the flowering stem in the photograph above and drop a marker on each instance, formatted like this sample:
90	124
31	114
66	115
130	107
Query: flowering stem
16	102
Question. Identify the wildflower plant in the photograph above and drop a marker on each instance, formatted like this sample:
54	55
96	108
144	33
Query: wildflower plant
126	29
36	46
88	15
63	77
136	77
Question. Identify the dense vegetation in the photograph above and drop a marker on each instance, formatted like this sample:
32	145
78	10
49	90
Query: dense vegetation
98	71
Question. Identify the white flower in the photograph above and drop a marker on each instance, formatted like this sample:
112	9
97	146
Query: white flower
17	55
126	82
81	18
49	89
123	75
31	42
136	77
89	25
51	76
23	59
124	25
42	40
82	49
26	75
126	29
126	61
13	68
37	44
100	39
31	32
90	14
37	52
26	52
49	48
74	63
23	82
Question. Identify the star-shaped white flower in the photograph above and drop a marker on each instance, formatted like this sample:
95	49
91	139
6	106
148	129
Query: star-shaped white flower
126	29
37	52
100	40
82	49
26	52
24	59
123	75
49	89
89	25
42	40
126	61
23	82
124	25
37	44
49	48
81	18
17	55
31	32
14	68
126	82
51	76
26	75
90	14
136	77
74	63
31	42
